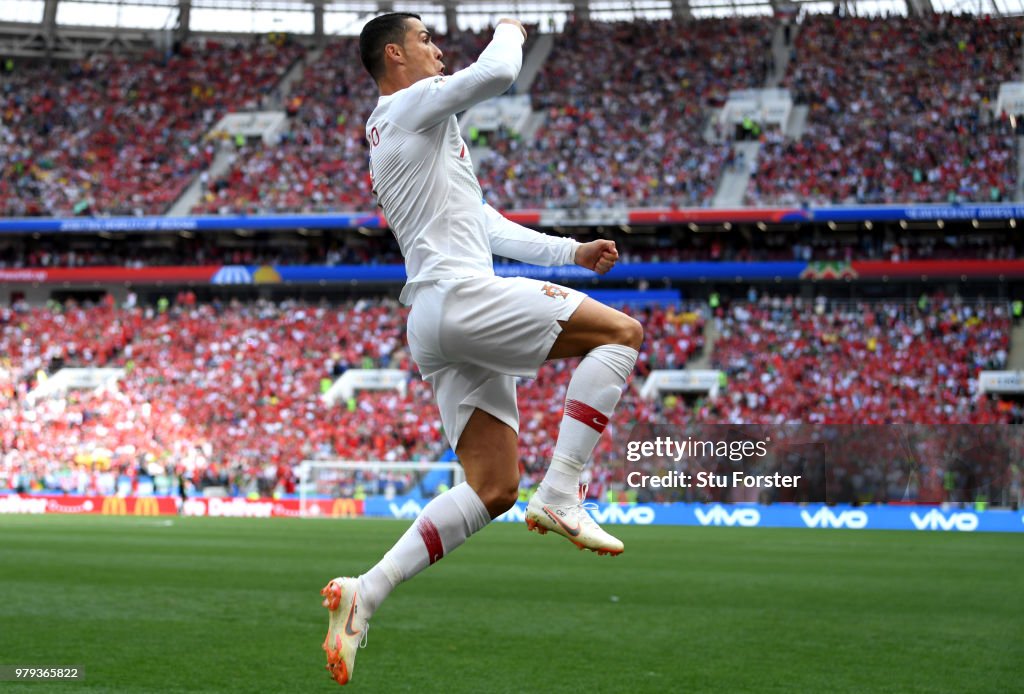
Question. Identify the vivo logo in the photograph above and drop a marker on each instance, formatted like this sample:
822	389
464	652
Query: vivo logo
626	515
610	513
409	510
825	518
718	515
936	520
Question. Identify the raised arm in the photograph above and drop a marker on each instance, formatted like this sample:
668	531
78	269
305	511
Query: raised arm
430	101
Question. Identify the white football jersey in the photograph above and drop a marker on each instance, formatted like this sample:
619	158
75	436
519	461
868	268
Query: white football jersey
424	179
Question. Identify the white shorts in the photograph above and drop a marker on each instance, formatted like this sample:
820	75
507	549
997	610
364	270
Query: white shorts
471	337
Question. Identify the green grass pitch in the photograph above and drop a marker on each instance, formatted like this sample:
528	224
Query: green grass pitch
225	605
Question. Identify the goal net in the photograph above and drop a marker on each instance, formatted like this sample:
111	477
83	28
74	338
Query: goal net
326	485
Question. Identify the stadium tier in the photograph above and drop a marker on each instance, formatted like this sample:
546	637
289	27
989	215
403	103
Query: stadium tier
319	164
230	393
619	115
625	105
899	110
116	134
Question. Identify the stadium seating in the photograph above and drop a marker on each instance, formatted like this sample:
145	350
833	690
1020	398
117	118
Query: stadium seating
654	151
230	391
858	363
227	385
116	134
625	107
899	112
319	165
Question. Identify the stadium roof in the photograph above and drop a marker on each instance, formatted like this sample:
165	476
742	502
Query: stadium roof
345	17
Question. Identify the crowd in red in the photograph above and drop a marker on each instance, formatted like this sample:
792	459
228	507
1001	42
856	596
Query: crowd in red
625	107
833	385
230	393
120	134
901	110
860	363
656	156
206	387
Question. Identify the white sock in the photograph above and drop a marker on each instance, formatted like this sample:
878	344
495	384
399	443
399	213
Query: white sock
593	392
443	525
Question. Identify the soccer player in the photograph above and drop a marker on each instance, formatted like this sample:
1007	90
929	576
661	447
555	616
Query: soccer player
472	333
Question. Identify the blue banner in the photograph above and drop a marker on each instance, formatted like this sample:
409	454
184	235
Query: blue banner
622	272
657	271
915	518
372	220
339	273
92	225
635	297
911	213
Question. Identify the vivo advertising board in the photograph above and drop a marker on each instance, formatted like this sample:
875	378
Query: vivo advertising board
914	518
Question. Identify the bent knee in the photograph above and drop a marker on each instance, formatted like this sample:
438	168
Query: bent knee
629	332
499	498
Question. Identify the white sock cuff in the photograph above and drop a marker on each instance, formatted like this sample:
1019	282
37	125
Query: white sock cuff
619	358
472	509
392	572
567	461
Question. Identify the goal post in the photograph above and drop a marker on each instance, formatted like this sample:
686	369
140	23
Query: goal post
336	479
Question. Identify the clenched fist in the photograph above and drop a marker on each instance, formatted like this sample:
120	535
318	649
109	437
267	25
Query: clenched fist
599	256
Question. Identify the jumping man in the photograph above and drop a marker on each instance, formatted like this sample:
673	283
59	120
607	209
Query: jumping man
472	333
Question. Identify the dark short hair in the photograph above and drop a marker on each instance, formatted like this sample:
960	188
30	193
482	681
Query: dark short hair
378	33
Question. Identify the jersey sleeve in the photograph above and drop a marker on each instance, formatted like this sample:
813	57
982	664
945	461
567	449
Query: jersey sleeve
510	240
431	101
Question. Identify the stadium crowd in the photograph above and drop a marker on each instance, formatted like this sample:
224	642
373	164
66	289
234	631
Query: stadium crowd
206	387
229	394
625	105
861	363
900	110
120	134
885	382
319	163
624	109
